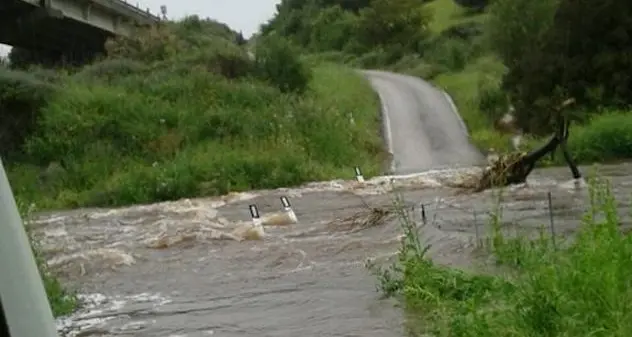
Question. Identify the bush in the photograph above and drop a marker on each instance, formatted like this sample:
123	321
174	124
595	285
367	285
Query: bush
464	31
110	70
21	97
226	60
452	54
156	43
605	137
278	62
331	29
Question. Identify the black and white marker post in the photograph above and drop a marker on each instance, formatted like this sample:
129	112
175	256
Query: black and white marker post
287	208
254	214
359	176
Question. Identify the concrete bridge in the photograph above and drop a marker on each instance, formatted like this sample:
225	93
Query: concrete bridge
68	25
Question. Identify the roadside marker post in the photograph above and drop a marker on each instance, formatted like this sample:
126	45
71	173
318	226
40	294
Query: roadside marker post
424	219
254	214
359	176
287	207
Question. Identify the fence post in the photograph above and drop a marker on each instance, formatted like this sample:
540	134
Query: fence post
551	221
26	307
479	243
424	220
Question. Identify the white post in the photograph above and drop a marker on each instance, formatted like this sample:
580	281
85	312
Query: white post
254	215
359	176
26	307
287	208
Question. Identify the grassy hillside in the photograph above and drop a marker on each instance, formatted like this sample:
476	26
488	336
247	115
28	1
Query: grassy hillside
159	121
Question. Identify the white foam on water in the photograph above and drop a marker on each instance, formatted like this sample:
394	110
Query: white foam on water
448	177
203	207
97	311
110	238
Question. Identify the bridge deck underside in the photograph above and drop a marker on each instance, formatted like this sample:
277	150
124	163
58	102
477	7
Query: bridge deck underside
27	26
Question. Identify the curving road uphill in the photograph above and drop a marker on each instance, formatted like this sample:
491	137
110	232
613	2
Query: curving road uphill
422	128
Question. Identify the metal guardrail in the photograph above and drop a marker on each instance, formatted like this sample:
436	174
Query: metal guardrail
127	6
26	307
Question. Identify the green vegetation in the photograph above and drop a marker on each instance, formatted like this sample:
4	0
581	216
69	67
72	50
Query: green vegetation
182	111
179	110
541	288
62	301
488	54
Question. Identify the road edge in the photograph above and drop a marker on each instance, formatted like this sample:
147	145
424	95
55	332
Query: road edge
454	109
386	132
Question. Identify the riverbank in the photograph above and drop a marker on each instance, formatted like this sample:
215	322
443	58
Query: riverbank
541	287
196	135
140	127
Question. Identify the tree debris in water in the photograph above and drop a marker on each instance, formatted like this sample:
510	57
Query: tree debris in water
507	169
370	217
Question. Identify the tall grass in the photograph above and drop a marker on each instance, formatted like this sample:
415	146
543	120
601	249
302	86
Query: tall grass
582	288
146	136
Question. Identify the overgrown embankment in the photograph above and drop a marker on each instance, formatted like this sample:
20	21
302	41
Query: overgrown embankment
180	111
487	55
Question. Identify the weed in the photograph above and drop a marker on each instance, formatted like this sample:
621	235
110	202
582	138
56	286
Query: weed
578	288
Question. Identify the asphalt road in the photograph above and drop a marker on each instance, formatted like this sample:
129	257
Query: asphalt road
422	128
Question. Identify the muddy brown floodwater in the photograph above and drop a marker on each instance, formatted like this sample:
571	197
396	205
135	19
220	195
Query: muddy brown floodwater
176	269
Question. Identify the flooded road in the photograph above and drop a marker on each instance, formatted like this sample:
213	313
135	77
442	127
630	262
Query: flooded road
179	269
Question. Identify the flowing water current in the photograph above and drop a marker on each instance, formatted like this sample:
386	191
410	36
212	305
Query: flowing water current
184	268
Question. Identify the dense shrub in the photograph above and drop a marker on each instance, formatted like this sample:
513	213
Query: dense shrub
393	24
606	136
21	97
23	58
450	53
110	70
331	29
464	31
278	62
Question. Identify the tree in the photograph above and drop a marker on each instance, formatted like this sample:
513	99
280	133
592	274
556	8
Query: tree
583	51
517	31
332	28
393	23
240	40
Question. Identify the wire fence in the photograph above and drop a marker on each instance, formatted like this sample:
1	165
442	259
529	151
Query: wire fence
557	213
